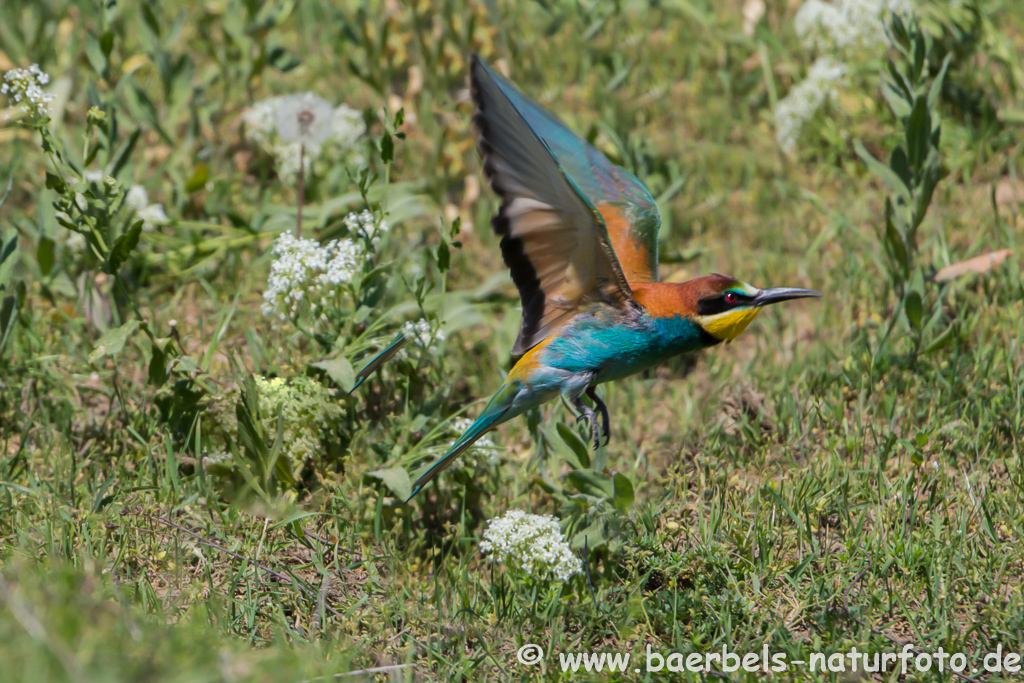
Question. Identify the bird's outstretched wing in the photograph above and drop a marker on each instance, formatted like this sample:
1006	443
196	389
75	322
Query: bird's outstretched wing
630	214
554	239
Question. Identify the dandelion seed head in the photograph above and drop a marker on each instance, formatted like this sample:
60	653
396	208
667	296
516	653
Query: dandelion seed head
531	543
305	119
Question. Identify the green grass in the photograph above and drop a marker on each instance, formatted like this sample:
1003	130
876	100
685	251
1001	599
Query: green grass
816	485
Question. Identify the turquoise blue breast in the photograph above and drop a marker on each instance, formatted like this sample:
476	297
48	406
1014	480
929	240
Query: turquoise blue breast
598	343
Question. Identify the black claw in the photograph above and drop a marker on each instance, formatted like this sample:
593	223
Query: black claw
603	409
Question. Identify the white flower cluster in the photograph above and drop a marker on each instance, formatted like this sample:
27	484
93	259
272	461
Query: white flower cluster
152	215
305	274
844	26
839	29
24	88
804	100
366	226
483	450
281	125
533	543
422	335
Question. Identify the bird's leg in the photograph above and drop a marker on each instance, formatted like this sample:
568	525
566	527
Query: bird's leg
603	409
587	414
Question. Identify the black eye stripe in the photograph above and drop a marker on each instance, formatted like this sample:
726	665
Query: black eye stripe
718	304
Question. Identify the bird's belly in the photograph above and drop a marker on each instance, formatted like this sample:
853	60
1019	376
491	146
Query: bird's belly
615	351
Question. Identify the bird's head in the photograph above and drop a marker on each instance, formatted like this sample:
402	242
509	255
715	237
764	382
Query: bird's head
725	306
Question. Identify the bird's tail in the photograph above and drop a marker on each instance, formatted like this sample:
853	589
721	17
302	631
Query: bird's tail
498	410
383	357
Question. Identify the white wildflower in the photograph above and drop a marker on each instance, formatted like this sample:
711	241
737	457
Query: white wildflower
260	121
805	99
152	216
288	156
422	335
24	88
306	275
366	226
532	543
137	199
94	176
347	125
306	119
847	25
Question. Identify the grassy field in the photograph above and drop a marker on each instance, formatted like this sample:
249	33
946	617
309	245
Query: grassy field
189	493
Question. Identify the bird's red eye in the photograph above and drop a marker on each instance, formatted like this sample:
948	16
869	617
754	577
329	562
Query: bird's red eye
730	297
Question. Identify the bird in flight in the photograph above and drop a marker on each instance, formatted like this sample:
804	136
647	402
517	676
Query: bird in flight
580	237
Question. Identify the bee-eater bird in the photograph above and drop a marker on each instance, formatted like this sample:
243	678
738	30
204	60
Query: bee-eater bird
580	237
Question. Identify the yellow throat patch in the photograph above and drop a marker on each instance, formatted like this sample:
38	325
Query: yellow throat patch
728	325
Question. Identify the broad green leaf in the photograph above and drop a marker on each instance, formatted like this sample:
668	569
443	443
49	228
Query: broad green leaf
914	309
113	341
124	245
573	440
623	491
158	367
396	479
943	340
45	255
918	130
883	172
592	483
339	370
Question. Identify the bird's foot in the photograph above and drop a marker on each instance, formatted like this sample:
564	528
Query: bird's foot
588	415
603	409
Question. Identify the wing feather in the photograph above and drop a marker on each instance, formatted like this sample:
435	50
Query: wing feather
630	213
554	240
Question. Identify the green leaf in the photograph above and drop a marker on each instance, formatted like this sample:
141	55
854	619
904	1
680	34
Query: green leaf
936	89
918	130
387	148
198	180
914	308
894	240
883	172
282	60
8	248
113	341
124	153
44	255
572	439
622	488
55	182
124	245
943	340
339	370
8	313
592	483
898	163
396	479
444	257
158	367
97	59
107	43
7	192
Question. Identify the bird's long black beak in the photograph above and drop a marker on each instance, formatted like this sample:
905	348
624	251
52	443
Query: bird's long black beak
774	295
